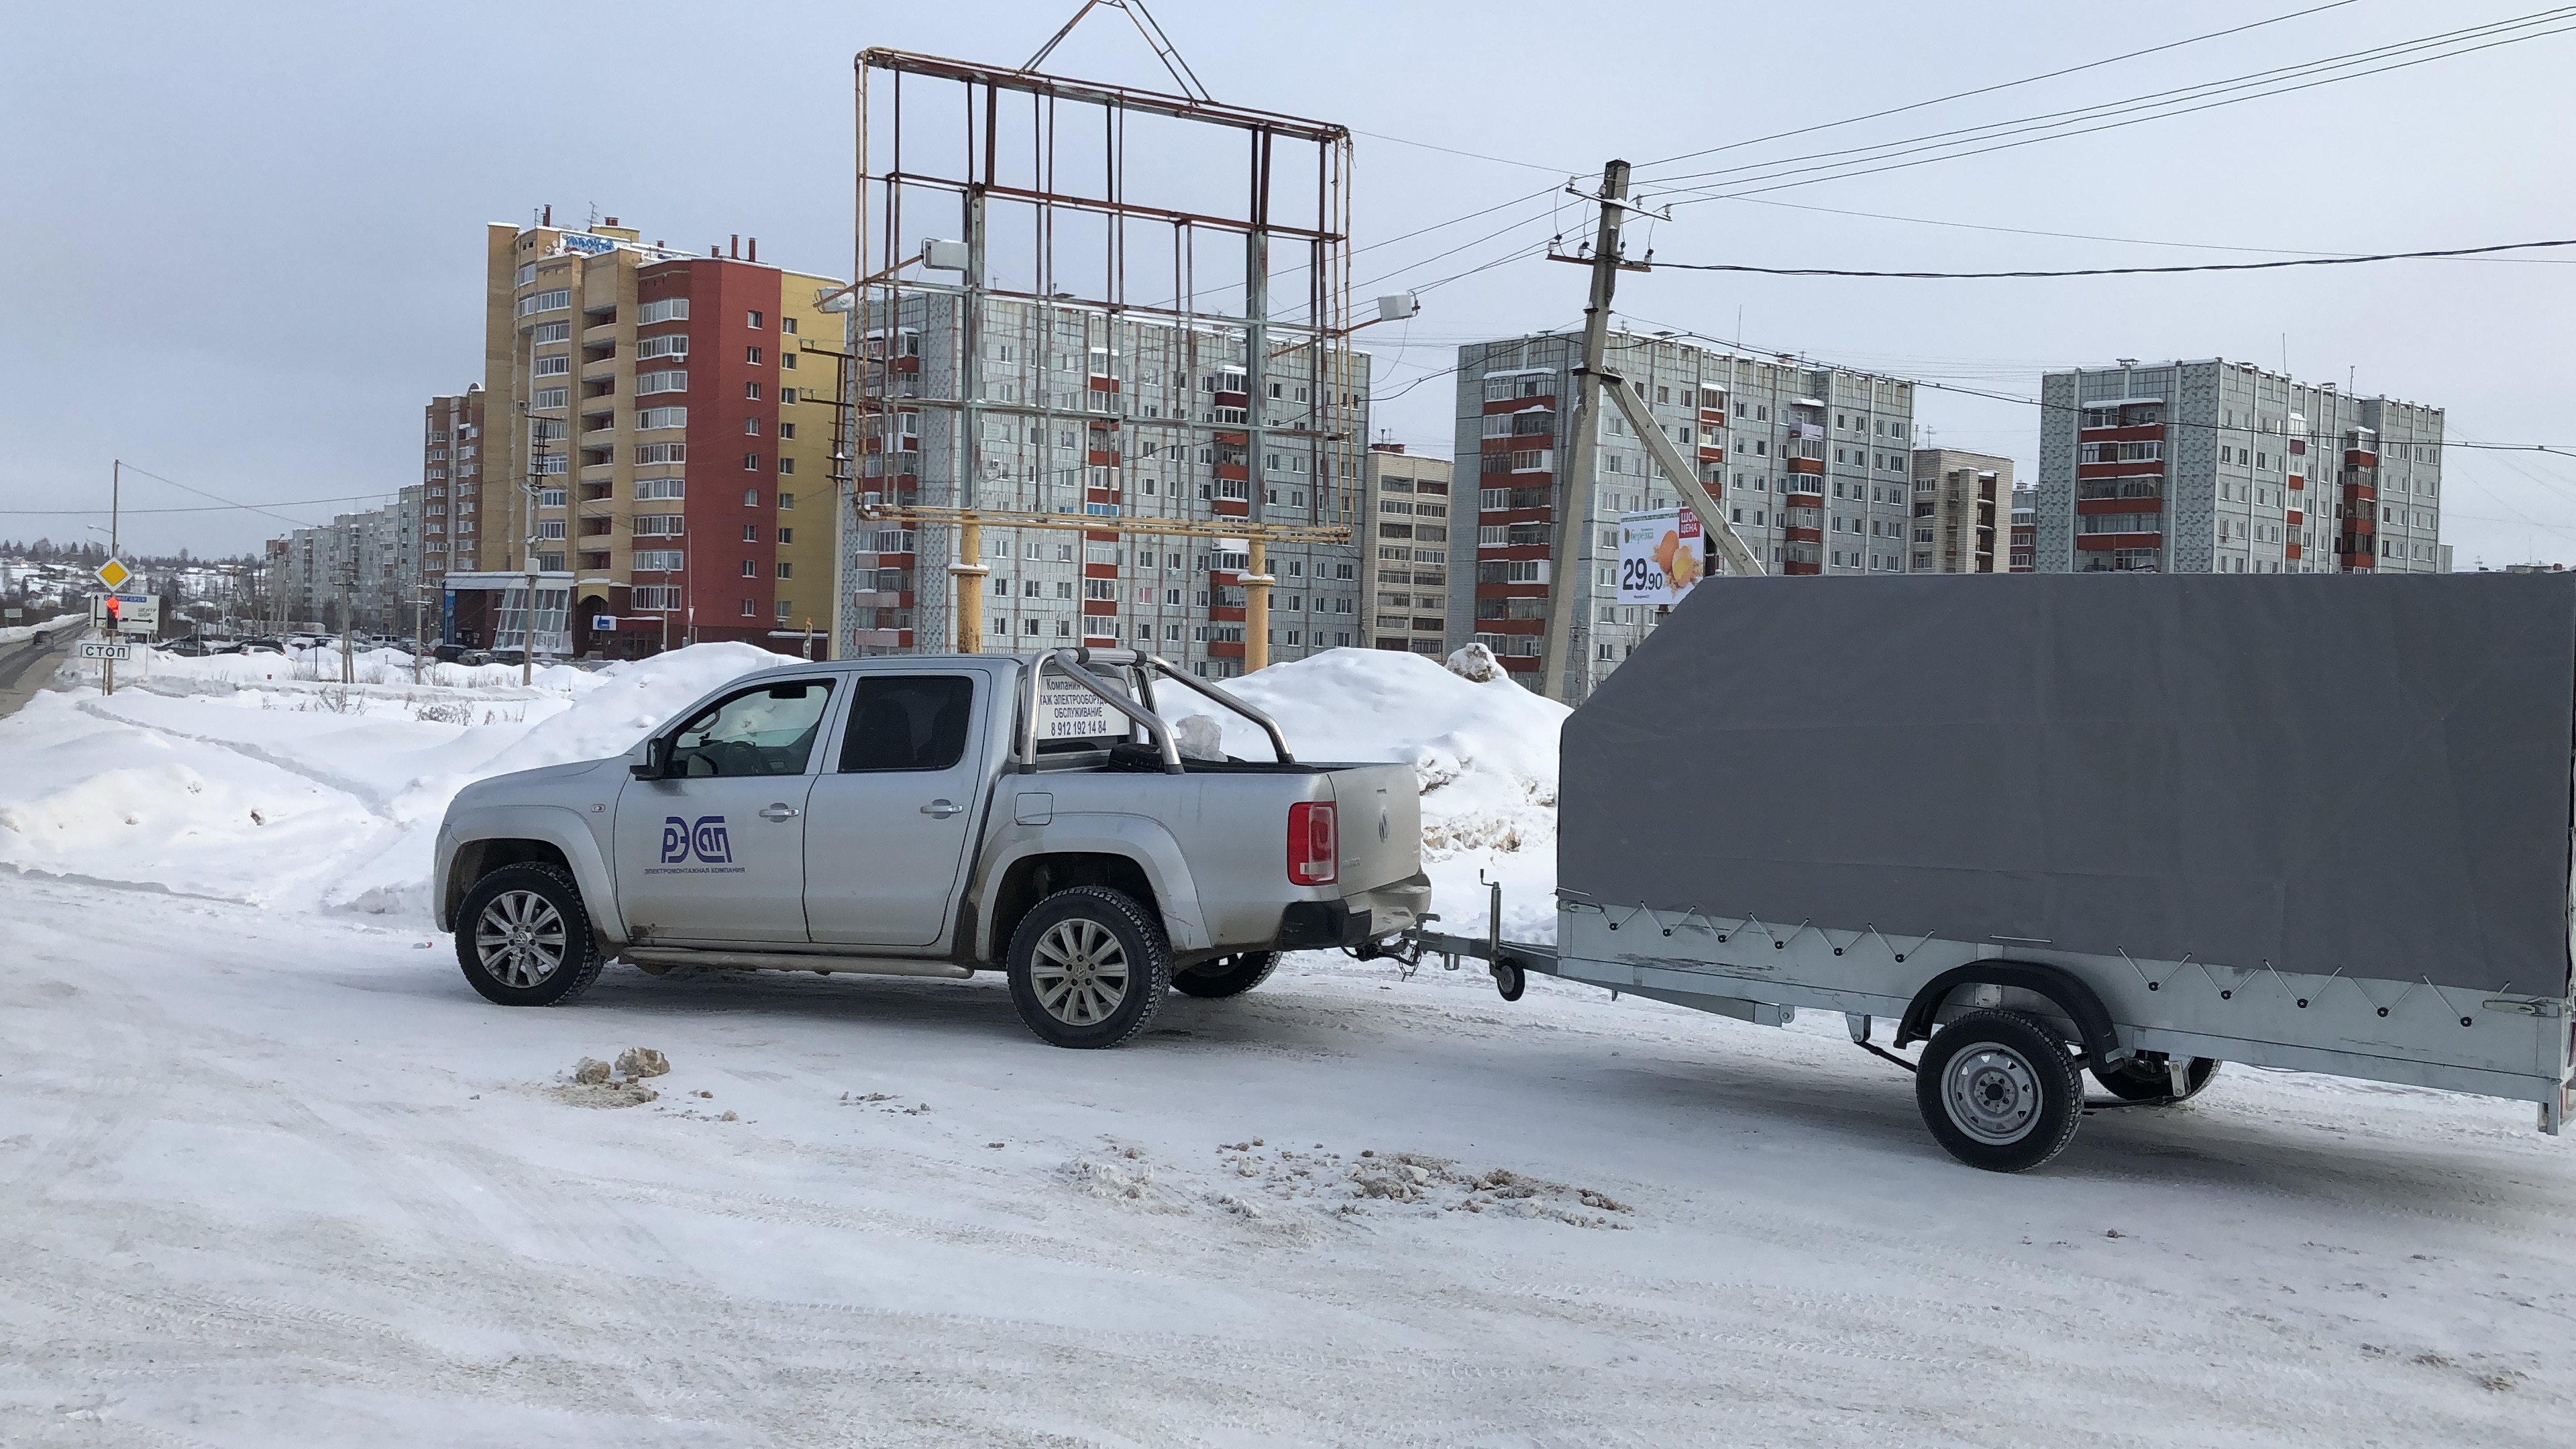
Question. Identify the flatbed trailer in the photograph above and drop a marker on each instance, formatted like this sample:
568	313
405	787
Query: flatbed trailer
2134	826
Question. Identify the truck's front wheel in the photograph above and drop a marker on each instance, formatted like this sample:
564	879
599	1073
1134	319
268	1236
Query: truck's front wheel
1089	967
523	937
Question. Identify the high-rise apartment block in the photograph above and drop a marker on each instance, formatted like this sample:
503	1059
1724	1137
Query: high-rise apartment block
652	419
1962	513
1813	465
2025	529
2218	466
1407	518
451	462
1021	405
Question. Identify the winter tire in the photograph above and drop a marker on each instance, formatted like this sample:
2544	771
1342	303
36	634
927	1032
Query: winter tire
524	938
1226	975
1999	1091
2137	1081
1089	967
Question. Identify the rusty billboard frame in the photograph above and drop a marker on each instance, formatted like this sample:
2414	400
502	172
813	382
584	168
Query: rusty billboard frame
899	193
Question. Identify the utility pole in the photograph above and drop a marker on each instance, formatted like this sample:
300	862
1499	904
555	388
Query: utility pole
528	542
115	516
1567	631
1563	645
348	638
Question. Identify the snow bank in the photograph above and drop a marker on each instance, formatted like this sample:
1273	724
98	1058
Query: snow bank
1485	753
247	777
19	634
228	776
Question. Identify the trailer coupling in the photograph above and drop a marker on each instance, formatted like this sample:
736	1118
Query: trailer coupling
1510	962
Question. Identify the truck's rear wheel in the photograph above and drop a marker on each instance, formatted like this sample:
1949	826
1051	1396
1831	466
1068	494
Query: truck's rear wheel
1226	975
1089	967
1999	1091
2137	1081
523	937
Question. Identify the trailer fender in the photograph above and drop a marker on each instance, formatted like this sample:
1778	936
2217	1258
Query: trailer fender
2062	988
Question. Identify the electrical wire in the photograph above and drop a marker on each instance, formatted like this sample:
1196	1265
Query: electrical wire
2088	236
258	508
2002	86
1743	349
208	508
2119	271
2066	125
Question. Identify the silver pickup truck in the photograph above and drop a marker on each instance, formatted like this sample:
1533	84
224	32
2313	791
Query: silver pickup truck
932	816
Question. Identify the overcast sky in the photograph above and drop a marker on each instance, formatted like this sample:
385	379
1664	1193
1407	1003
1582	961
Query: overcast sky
248	239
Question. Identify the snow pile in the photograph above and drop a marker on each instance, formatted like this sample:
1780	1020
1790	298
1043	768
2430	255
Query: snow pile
20	633
1485	753
228	776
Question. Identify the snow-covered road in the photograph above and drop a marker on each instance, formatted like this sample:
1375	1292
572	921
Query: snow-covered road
271	1178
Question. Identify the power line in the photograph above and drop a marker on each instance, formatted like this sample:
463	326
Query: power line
2164	104
1743	349
210	508
2118	271
219	498
2082	236
2001	86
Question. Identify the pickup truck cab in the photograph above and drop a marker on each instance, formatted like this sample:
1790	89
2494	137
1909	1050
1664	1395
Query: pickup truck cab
934	816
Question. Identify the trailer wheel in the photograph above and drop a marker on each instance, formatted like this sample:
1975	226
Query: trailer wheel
1089	967
1999	1091
2137	1081
1226	975
1509	980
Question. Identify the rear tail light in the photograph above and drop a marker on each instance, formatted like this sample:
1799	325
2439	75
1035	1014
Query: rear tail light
1314	845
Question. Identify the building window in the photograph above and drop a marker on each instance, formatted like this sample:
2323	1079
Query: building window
751	568
751	499
752	320
787	360
750	610
785	569
751	533
751	355
787	535
751	390
786	465
751	462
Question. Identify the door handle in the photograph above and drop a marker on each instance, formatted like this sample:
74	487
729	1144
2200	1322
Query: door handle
941	808
781	811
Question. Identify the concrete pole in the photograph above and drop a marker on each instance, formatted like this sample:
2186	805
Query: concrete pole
966	587
1563	645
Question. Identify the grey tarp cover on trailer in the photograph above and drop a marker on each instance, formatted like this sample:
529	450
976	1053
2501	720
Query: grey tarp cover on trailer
2368	775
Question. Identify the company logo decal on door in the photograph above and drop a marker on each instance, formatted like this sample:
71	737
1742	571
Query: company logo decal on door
705	840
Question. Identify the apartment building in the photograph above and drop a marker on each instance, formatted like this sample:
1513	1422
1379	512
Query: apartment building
451	463
1813	465
652	420
359	571
2217	466
2025	528
1962	513
1046	405
1404	551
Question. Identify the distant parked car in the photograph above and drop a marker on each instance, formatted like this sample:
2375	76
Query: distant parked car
186	648
264	644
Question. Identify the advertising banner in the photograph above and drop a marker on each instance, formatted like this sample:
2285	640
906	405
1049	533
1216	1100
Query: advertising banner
1661	557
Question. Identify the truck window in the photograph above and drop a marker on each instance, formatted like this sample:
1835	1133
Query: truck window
764	731
908	722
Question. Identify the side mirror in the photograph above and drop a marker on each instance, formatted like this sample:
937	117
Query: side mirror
656	761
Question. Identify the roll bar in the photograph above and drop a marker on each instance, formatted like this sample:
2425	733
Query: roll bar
1075	664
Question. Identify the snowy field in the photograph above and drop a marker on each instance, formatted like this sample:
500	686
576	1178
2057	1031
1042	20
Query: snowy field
272	1174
